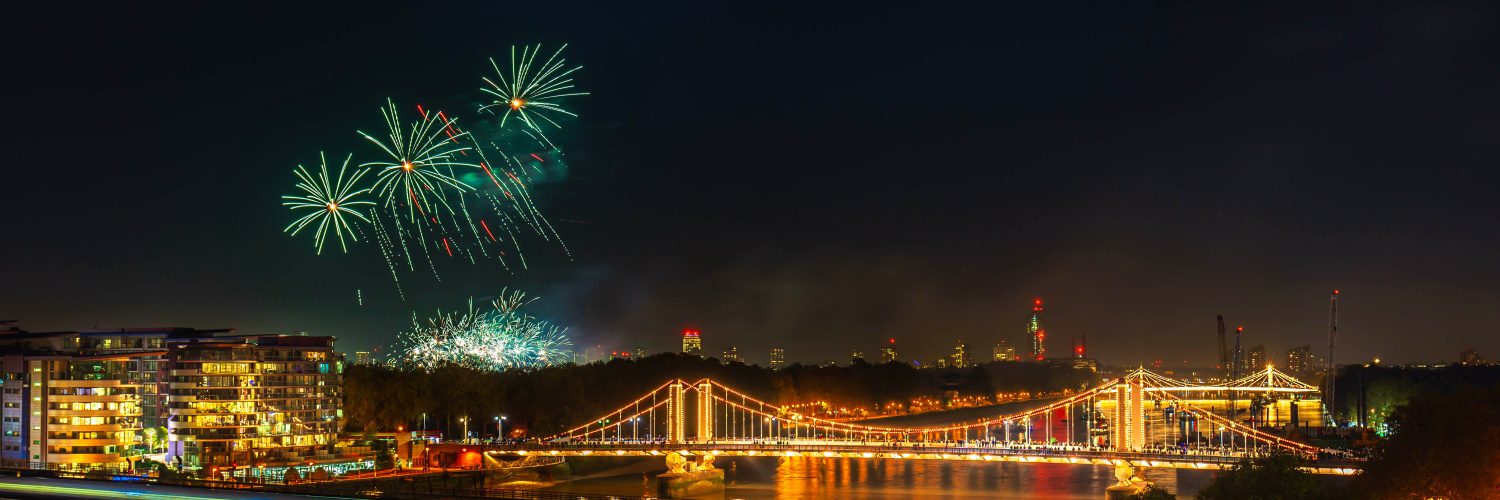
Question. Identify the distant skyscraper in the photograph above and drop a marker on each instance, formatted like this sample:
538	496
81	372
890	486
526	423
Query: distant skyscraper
361	357
888	353
856	355
1036	333
1255	359
1004	351
692	343
778	358
1299	361
1470	356
731	354
960	355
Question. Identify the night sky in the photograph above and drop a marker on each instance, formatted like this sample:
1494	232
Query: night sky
774	175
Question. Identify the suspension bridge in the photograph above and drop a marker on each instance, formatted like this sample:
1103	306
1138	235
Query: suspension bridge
1140	419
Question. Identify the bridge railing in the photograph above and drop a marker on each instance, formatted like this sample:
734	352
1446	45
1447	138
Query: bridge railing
729	415
879	450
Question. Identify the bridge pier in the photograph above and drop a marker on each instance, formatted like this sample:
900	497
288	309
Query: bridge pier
1129	427
675	424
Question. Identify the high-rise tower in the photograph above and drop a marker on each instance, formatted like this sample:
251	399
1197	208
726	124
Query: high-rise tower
888	353
1035	331
692	343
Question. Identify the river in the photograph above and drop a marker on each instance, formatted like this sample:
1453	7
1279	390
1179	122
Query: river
875	478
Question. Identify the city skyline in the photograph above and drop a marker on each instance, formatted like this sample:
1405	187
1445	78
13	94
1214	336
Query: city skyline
1141	185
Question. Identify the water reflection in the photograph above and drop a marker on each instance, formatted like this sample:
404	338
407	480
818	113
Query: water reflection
759	478
800	477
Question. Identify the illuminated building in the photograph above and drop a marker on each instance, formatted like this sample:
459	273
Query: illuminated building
856	355
1299	361
1036	333
1004	352
888	353
1255	358
778	358
960	357
236	401
732	354
78	400
361	357
692	342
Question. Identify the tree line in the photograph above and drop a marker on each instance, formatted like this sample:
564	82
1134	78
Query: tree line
543	401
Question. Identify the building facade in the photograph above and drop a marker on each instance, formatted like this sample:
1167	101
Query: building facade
888	353
1004	352
692	342
1255	359
960	356
106	398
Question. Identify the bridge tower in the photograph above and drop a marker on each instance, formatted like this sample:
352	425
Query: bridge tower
676	424
705	412
1129	427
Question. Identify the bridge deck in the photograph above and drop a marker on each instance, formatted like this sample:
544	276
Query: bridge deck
1038	454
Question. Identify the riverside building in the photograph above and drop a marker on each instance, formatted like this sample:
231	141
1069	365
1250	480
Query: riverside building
106	398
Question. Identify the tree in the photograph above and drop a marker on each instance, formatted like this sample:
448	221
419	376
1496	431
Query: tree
1275	477
1440	446
1153	492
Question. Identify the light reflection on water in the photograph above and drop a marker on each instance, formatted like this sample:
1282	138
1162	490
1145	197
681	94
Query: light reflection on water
758	478
860	478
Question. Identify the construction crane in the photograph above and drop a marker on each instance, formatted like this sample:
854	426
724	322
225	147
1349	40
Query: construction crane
1331	371
1234	372
1223	352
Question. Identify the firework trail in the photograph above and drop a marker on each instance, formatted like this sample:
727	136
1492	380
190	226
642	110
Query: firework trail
330	199
420	168
442	193
531	92
500	338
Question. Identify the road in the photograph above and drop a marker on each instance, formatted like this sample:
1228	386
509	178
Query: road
64	489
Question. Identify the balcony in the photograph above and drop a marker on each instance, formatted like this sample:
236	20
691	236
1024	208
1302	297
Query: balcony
87	442
75	398
94	413
115	427
84	458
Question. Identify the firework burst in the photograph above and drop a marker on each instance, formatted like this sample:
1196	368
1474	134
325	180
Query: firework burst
422	158
332	202
531	92
500	338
